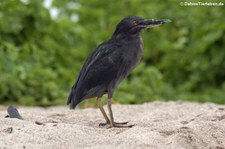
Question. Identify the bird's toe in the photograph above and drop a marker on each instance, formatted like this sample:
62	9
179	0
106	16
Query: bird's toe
119	125
116	125
122	123
104	124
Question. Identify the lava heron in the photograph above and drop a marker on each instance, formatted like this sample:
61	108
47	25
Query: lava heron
110	63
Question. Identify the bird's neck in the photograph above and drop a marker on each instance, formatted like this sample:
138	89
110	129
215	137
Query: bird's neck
126	37
134	41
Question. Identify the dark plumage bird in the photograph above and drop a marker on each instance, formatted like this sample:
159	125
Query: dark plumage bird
110	63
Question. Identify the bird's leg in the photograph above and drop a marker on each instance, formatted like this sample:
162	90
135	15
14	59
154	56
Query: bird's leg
112	123
110	112
98	101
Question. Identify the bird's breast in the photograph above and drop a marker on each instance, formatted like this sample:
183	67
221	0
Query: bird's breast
134	51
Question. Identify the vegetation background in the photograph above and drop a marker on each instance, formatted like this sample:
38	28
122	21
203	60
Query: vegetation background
43	44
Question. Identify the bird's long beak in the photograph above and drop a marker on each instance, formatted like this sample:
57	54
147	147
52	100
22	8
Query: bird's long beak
153	23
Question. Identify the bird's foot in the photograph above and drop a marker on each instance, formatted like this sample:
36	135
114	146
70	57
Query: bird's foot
117	125
121	125
108	123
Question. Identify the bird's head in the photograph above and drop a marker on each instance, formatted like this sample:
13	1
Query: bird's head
134	25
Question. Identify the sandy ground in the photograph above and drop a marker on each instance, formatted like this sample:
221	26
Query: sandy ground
172	125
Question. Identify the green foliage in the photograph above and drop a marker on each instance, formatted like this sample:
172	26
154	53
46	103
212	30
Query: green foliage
41	55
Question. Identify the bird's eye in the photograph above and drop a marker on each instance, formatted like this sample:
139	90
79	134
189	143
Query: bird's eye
134	22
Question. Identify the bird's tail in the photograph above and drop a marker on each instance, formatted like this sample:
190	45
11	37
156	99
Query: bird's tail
72	101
